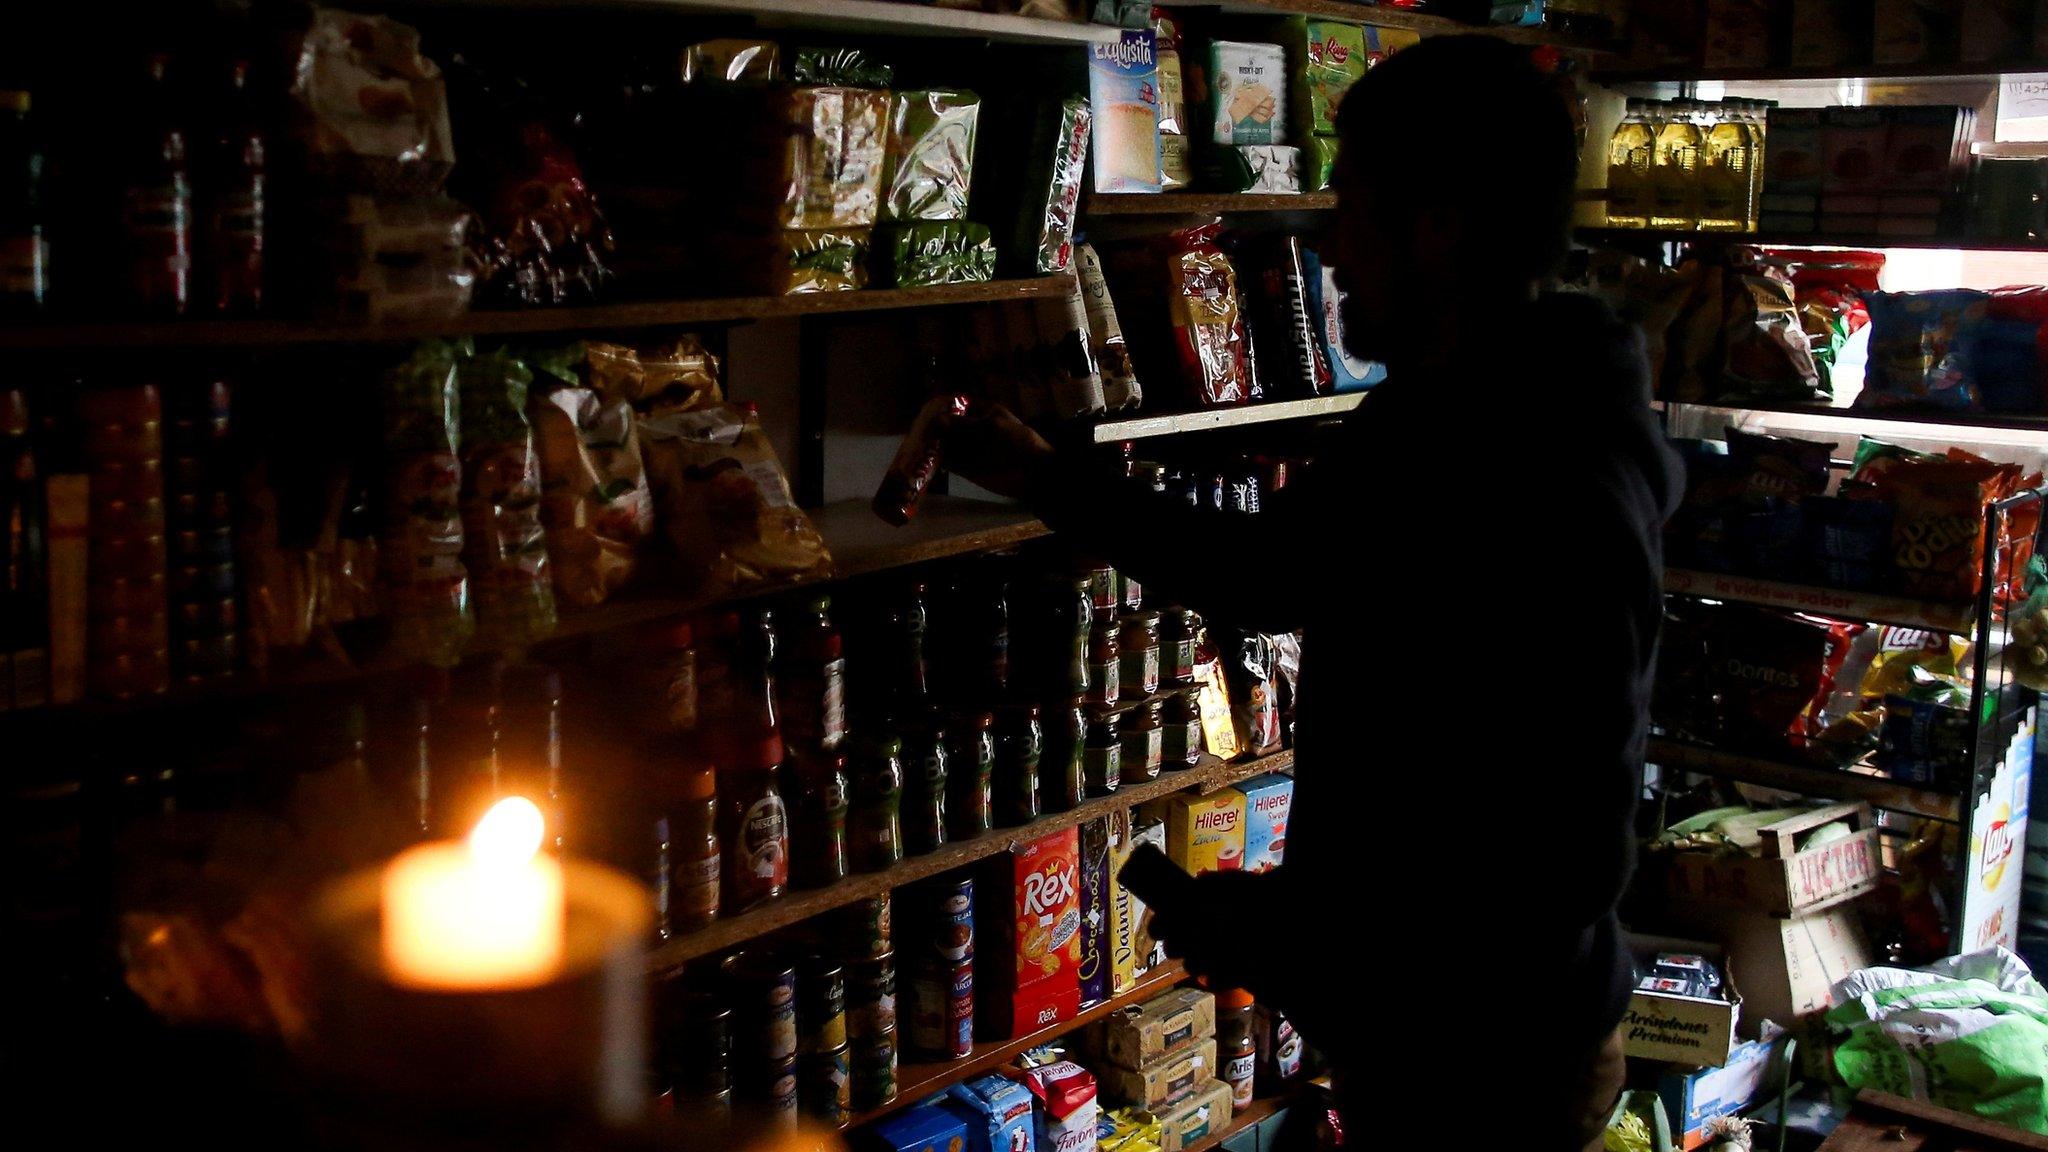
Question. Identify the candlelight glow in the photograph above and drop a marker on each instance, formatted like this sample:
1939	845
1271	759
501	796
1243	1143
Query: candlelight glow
478	916
509	834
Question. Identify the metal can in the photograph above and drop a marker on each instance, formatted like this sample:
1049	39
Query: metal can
951	925
820	1006
774	1098
942	1011
714	1107
871	997
873	1071
864	928
824	1085
767	989
697	1045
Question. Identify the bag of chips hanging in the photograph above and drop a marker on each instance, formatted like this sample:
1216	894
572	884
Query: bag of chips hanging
596	507
725	502
504	550
1938	525
422	550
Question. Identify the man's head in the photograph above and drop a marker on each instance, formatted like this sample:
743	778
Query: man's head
1455	182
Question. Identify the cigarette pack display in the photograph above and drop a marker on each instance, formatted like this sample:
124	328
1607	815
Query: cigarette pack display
997	1110
1164	1081
1123	86
1204	833
1067	1109
1163	1026
1029	912
1267	800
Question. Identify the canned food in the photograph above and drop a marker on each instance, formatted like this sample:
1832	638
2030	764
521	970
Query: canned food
202	581
824	1085
820	1006
873	1071
942	1012
871	997
767	991
864	928
774	1097
952	928
715	1107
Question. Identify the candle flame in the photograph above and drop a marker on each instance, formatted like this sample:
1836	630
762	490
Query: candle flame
509	834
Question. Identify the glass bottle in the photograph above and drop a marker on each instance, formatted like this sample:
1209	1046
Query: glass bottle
1063	770
1019	747
970	775
1629	153
158	202
235	224
906	686
753	825
817	821
1104	656
24	250
1180	734
530	741
1674	180
813	680
1072	618
1755	116
924	783
24	586
1237	1047
1144	740
874	823
754	655
693	874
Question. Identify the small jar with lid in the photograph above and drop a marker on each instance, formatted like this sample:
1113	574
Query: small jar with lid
817	819
1144	740
874	824
1179	630
1102	590
1138	667
1181	730
1020	745
693	877
1104	654
1061	770
1104	754
970	775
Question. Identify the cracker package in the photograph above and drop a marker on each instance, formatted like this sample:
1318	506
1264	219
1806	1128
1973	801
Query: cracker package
1336	61
1162	1082
930	154
427	584
504	549
932	252
373	110
827	172
1124	90
1120	387
1248	88
1029	899
595	504
1162	1027
726	503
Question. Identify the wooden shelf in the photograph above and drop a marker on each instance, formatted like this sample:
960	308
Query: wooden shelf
1865	607
521	322
1235	416
1628	236
891	17
1877	791
1678	73
1885	415
1383	17
1256	1114
917	1080
1203	203
802	905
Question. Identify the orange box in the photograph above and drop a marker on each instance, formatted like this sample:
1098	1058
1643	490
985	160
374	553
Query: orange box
1031	896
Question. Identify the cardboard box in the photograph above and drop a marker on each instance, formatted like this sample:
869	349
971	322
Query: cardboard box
1205	1111
1267	800
1927	148
1784	881
1203	833
1163	1081
1123	86
1787	966
1830	33
925	1128
1852	145
1067	1108
1693	1096
1132	951
1739	33
1162	1026
1029	898
1097	916
1915	31
997	1112
1679	1029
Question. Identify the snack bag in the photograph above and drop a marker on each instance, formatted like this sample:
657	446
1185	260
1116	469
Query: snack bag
595	504
1829	289
373	111
1938	525
931	154
1273	169
1207	316
2000	354
676	375
1774	469
2028	655
544	239
1766	356
504	550
1875	458
1249	92
732	62
1283	319
1254	689
1033	209
792	262
1913	360
1326	308
933	252
422	549
1775	673
725	502
841	67
828	172
1336	61
1123	87
1120	387
1063	359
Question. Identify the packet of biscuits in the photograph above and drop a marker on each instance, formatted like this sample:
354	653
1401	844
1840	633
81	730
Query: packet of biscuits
725	501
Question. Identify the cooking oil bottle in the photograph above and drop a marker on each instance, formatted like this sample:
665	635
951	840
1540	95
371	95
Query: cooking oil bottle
1756	121
1629	153
1724	174
1674	177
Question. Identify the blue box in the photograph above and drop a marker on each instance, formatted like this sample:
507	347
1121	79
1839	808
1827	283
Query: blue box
1244	1141
921	1129
1693	1096
1267	801
997	1113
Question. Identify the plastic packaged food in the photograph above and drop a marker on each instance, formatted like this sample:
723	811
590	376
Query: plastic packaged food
1262	168
1120	387
375	109
1174	169
1253	677
1767	352
850	67
596	506
1326	304
1038	233
1062	358
1123	86
1938	525
917	459
544	239
422	548
726	503
681	374
1912	349
731	62
1336	60
930	164
933	252
1776	671
504	549
830	166
1284	318
1208	321
1248	84
790	262
397	260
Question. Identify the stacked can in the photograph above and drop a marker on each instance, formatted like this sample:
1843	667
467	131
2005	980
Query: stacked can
764	996
824	1087
941	990
696	1051
867	940
128	634
202	543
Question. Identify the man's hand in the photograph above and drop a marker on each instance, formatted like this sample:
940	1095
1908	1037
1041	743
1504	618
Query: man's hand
1212	941
996	450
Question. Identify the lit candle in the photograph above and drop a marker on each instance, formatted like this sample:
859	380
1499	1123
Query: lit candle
478	916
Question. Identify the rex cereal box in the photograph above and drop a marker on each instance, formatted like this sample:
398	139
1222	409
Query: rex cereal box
1267	800
1204	833
1032	897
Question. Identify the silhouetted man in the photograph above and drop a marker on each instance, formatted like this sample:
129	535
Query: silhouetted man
1474	558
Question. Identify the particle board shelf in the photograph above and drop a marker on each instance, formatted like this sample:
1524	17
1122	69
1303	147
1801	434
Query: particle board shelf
918	1080
520	322
1877	791
803	905
1985	71
1236	416
1203	203
1256	1114
1867	415
1623	236
1867	607
1380	16
890	17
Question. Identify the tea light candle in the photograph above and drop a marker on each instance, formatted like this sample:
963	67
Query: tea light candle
477	916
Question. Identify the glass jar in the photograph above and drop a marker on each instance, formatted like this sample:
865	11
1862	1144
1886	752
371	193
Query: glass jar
1104	653
1062	771
1104	760
1130	593
1102	590
692	878
753	826
669	668
1179	630
1144	740
818	821
874	822
1020	745
1070	615
1181	730
1237	1049
1138	637
970	775
812	679
924	785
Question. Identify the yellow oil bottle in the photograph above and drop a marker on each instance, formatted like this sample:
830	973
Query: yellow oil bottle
1674	177
1630	153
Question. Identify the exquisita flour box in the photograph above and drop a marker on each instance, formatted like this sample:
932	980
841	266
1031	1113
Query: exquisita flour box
1204	833
1123	84
1267	800
1031	896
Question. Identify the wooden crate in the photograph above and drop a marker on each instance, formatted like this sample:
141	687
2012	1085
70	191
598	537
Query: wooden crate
1782	880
